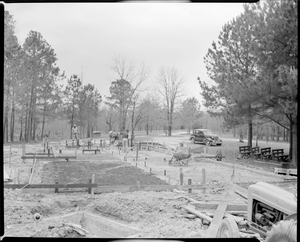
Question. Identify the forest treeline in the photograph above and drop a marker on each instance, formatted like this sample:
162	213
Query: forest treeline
253	83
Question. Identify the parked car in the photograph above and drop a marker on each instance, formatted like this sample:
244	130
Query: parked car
205	136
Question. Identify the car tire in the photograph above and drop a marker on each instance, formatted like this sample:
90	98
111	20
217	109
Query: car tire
208	143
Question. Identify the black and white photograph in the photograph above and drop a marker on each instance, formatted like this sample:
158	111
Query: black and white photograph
150	120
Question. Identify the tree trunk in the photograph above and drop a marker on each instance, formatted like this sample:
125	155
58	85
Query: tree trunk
294	145
147	126
21	129
234	132
72	123
291	139
12	120
250	134
43	122
278	133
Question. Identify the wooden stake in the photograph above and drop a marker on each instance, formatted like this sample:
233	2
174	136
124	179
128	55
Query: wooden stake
23	151
16	176
9	155
90	189
190	183
56	189
165	172
137	152
93	181
145	164
181	177
203	180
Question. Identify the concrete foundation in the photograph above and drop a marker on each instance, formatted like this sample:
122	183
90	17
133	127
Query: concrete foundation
98	226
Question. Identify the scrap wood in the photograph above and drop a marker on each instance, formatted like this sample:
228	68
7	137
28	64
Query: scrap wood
191	216
187	198
192	210
237	219
77	228
217	219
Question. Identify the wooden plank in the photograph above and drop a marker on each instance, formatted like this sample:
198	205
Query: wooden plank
192	210
241	191
130	188
31	153
210	205
217	219
79	185
37	190
48	157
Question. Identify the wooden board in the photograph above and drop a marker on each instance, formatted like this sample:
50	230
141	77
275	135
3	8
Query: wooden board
211	205
48	157
240	190
79	185
216	221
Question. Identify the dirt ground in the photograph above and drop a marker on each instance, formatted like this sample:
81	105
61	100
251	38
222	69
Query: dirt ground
154	214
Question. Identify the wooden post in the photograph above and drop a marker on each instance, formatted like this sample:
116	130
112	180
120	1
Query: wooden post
56	189
90	189
138	185
190	183
16	180
145	164
137	152
181	177
10	155
165	172
93	189
23	151
203	180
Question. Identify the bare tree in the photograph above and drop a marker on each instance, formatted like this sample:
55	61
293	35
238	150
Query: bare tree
170	86
136	116
128	84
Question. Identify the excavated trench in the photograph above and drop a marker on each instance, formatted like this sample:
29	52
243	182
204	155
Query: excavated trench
97	226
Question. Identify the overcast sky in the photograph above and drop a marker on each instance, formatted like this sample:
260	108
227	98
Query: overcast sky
86	36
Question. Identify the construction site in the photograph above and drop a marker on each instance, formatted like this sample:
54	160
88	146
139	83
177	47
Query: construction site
59	189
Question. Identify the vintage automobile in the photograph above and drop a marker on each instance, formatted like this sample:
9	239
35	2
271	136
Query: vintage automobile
205	136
